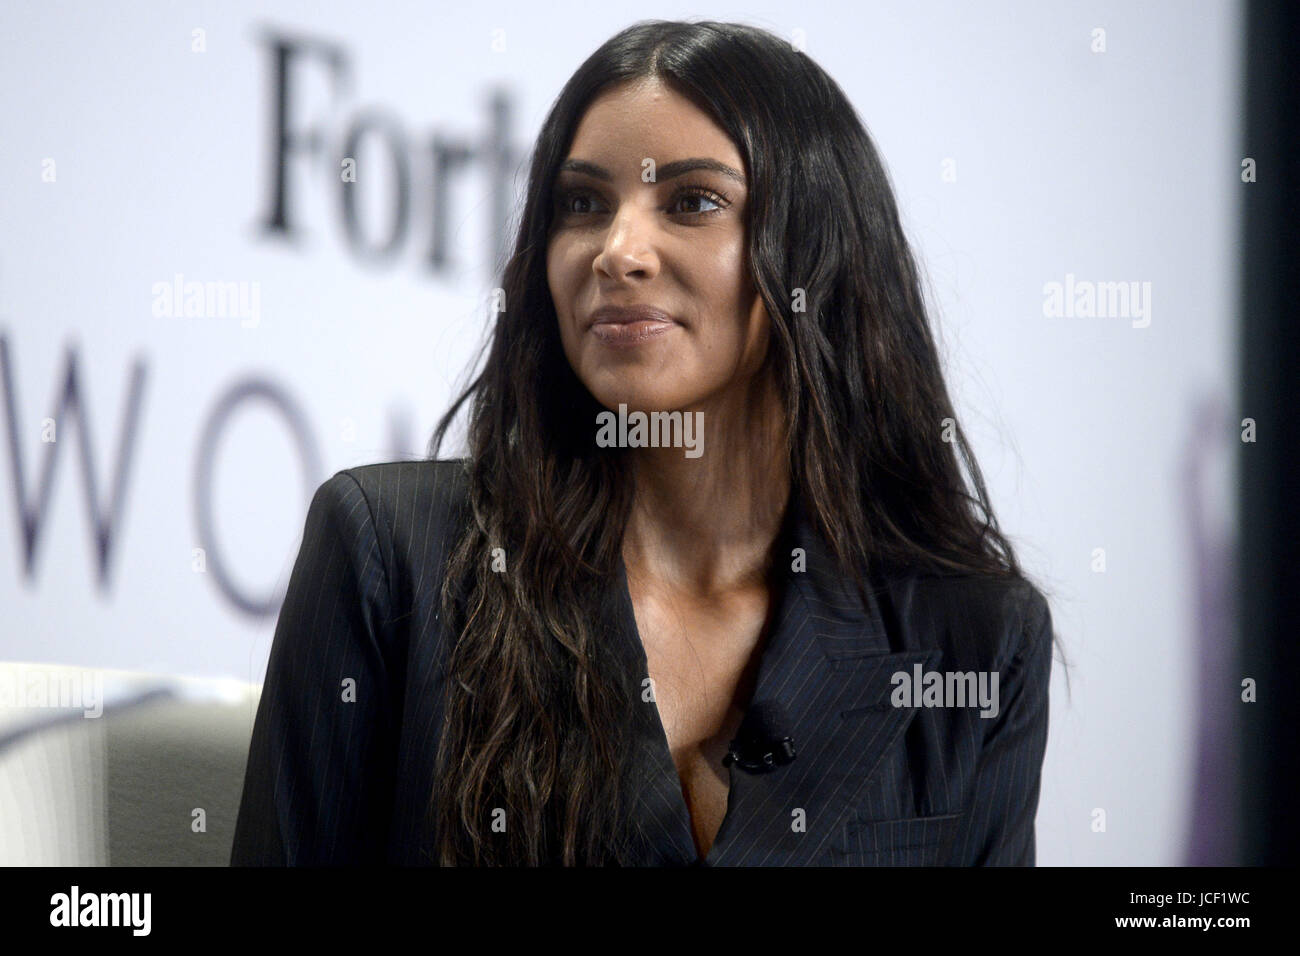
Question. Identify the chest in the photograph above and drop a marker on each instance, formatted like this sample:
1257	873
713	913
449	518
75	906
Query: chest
703	662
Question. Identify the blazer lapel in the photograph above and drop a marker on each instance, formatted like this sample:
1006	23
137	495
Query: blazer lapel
828	664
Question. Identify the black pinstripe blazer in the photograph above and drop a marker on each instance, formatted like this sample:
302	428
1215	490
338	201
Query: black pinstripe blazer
872	783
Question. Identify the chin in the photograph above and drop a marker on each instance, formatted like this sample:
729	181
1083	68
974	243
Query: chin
637	397
642	388
635	401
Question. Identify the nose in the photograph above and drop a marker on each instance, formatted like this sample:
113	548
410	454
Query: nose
629	247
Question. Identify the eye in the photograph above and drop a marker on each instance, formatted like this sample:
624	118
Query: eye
578	201
564	202
698	194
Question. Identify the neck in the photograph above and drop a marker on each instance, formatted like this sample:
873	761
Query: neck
705	526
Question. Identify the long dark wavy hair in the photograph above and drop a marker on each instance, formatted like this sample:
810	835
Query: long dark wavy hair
537	710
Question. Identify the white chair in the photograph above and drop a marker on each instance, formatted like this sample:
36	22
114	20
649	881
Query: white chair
115	768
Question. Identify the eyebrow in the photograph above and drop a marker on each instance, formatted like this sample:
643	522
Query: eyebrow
666	171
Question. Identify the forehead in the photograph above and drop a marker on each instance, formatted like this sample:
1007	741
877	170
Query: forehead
645	118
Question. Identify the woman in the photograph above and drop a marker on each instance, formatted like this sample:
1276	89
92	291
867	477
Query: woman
595	642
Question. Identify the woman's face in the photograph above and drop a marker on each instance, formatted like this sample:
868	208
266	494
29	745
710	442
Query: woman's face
640	220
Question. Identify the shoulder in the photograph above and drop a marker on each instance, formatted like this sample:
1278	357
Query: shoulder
406	499
992	622
411	513
399	490
393	497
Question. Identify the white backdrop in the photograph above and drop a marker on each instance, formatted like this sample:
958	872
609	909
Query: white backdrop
139	154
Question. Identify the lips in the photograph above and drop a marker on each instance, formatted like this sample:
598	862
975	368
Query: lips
629	314
630	325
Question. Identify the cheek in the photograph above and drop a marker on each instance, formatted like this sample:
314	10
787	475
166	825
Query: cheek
565	271
553	273
727	268
725	290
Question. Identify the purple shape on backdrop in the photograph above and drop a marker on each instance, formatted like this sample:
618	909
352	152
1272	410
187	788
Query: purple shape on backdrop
1212	840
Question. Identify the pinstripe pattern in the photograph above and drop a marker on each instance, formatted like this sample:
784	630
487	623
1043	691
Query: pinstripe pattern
330	781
